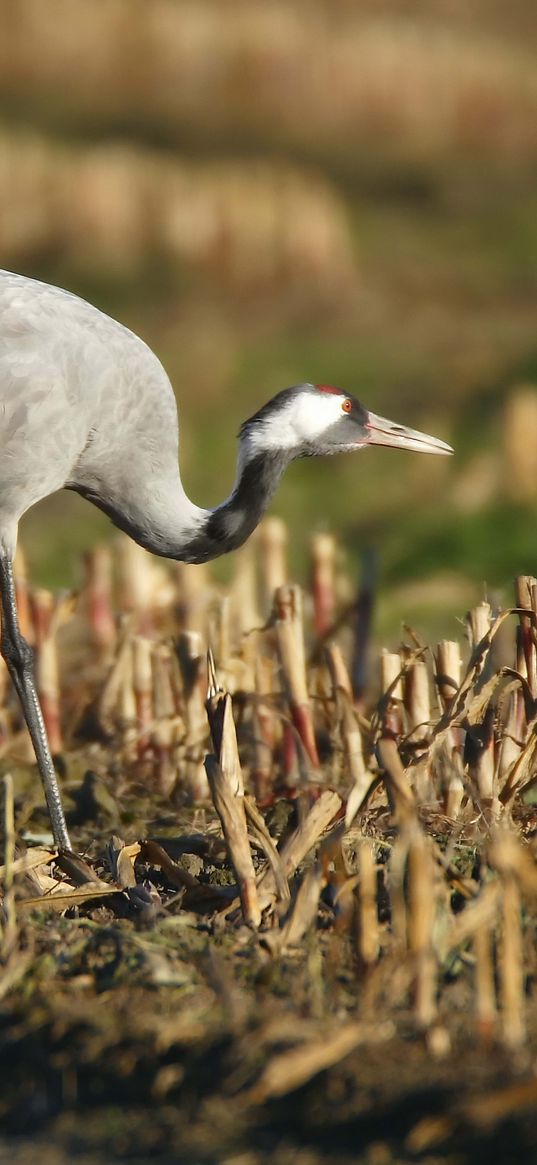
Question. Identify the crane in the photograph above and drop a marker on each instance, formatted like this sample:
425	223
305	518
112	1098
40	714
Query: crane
87	406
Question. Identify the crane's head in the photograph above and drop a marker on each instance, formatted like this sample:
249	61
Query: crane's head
305	421
316	419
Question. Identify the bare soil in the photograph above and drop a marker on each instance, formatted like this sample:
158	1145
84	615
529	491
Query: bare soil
127	1041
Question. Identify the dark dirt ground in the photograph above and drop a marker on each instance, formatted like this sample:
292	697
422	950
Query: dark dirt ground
126	1042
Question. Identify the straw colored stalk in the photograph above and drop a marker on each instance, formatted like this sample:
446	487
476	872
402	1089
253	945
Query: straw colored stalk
420	920
304	838
227	791
302	915
244	597
287	1071
514	754
304	910
525	597
290	643
448	671
418	716
142	683
485	991
10	919
356	768
319	817
396	881
519	442
232	666
368	927
510	861
136	578
221	633
98	598
234	651
417	703
391	689
512	966
126	703
323	566
478	622
119	675
511	746
191	659
482	768
520	720
400	797
195	780
520	770
163	735
192	594
272	540
448	678
341	682
163	743
258	830
520	654
264	728
48	684
163	693
483	765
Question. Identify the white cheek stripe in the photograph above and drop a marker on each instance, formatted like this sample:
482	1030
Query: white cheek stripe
305	418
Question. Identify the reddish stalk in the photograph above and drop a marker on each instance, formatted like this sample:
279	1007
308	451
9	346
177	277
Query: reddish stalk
290	641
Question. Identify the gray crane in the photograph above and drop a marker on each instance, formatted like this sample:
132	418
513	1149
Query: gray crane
87	406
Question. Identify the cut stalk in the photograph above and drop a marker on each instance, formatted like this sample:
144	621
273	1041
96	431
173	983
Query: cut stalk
448	678
368	927
142	675
273	558
485	1000
48	683
420	918
98	599
227	790
290	641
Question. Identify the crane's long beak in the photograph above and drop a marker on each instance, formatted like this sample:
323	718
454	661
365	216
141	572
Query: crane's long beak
383	432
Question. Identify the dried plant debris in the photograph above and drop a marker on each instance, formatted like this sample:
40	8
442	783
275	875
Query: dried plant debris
300	916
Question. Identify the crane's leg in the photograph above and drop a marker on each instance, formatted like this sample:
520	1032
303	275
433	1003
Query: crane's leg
19	658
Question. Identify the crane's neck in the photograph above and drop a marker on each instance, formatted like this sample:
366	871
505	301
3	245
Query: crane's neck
161	518
229	525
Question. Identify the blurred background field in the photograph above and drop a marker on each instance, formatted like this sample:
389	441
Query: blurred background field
301	191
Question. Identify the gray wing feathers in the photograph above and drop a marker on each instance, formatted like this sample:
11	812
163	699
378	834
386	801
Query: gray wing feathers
82	399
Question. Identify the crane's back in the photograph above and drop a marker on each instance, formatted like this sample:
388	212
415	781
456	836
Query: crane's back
82	399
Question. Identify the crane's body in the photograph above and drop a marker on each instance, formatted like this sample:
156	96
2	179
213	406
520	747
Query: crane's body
86	405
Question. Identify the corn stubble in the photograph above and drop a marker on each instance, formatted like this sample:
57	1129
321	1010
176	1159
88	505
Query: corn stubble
392	835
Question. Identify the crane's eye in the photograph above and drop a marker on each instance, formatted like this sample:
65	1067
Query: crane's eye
346	405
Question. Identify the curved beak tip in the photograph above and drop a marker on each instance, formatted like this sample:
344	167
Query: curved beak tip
384	432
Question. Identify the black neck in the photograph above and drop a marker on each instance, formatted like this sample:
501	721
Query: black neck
231	524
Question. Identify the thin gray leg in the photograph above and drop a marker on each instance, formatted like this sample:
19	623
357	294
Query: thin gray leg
19	658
